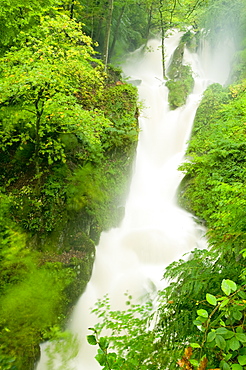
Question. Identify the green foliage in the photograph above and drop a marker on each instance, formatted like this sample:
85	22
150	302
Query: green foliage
223	327
64	346
215	173
56	113
39	85
190	280
119	104
131	343
15	258
67	132
19	16
140	337
133	23
129	26
85	189
33	300
180	89
223	17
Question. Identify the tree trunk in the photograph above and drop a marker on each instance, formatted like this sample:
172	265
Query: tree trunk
72	9
39	112
163	34
107	33
150	16
116	32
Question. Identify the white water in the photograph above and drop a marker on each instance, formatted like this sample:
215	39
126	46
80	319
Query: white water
155	231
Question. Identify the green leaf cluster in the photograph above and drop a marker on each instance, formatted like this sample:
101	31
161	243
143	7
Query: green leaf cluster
138	337
130	343
223	328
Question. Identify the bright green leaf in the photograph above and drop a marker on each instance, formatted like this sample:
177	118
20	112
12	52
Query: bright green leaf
239	329
234	344
211	299
224	303
243	251
211	336
232	285
228	286
194	362
101	358
103	343
242	294
224	365
241	337
237	315
111	358
242	360
220	341
195	345
91	339
228	357
221	331
202	313
236	367
229	334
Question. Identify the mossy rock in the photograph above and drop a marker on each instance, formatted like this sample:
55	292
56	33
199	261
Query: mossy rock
174	69
183	200
180	88
83	269
181	82
191	39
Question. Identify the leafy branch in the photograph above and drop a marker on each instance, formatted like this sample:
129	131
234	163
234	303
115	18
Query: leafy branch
224	329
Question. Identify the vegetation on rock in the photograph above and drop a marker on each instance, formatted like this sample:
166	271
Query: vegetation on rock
180	80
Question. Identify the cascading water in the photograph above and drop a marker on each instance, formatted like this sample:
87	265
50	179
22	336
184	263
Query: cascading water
155	231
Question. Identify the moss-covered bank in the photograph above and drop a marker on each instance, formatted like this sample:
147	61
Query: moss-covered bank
214	185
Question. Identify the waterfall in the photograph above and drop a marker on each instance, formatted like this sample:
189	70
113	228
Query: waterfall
155	231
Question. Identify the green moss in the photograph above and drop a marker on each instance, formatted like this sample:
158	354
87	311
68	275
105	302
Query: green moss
191	39
83	269
183	201
174	71
181	82
30	308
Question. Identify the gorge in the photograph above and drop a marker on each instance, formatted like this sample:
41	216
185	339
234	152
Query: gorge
155	231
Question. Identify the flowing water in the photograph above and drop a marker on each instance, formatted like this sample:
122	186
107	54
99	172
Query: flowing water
155	231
